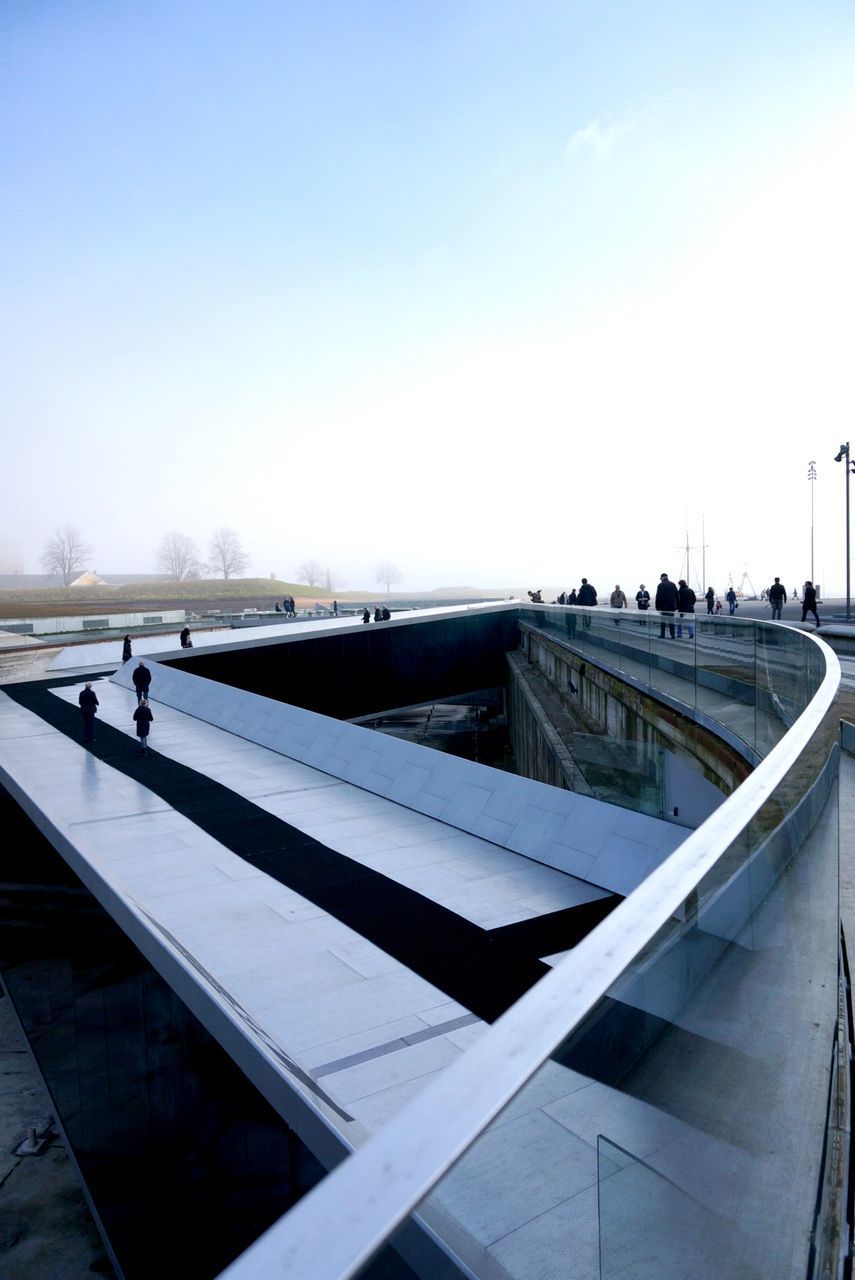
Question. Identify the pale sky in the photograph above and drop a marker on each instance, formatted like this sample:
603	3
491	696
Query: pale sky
505	293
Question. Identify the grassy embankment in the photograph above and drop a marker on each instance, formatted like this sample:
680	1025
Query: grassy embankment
199	596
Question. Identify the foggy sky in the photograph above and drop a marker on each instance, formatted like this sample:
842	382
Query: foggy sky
500	293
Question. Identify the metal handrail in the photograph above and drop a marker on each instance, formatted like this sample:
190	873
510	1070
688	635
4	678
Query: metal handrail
375	1189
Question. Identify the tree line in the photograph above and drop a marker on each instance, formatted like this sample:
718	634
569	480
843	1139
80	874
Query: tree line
67	554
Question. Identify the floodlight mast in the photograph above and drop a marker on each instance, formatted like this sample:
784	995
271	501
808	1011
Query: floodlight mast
812	477
841	455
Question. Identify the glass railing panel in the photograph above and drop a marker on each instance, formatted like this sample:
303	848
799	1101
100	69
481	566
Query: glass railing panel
622	771
634	652
753	679
650	1229
603	635
785	682
672	657
725	658
707	1064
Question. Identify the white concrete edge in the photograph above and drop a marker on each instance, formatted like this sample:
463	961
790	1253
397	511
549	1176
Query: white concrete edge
371	1193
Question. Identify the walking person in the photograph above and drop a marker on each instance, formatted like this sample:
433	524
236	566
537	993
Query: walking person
710	599
730	597
666	603
143	719
642	597
335	608
778	598
809	602
588	598
88	703
186	642
126	649
617	600
142	681
366	616
686	600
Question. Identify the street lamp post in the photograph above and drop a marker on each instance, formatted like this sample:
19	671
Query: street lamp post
843	454
812	478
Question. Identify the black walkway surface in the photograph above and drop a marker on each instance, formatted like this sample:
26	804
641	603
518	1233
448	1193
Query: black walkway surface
484	970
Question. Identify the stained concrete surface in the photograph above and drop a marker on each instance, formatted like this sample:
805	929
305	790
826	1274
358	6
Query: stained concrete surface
46	1230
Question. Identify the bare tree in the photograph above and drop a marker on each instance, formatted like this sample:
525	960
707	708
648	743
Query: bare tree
389	574
332	581
177	556
65	553
311	572
228	557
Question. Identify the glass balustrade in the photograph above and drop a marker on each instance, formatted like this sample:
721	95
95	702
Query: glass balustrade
679	1129
679	1126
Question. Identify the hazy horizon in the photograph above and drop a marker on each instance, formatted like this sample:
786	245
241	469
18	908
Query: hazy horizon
495	294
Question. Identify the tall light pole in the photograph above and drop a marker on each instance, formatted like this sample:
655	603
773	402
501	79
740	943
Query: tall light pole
812	478
843	454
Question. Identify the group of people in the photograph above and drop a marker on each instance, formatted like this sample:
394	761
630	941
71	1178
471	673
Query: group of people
678	600
380	614
288	607
88	702
184	637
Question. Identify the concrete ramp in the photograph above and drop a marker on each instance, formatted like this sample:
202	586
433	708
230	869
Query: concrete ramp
603	844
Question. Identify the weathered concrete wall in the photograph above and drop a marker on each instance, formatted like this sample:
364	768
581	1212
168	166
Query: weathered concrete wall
540	729
555	693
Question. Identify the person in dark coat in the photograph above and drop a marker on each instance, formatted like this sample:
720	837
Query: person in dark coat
777	599
385	614
573	598
335	608
142	681
186	642
809	602
126	649
710	599
730	597
88	702
143	719
587	597
686	599
378	613
366	616
642	597
666	603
